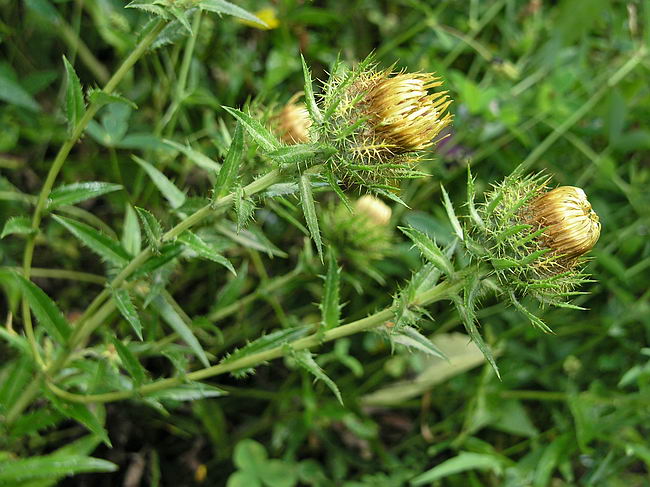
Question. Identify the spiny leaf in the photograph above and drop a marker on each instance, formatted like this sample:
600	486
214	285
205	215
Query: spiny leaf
473	213
412	338
201	248
168	189
74	98
310	101
451	213
100	98
228	174
131	236
330	307
305	359
309	209
129	361
293	155
262	135
223	7
429	250
45	309
126	307
533	319
104	246
152	227
244	208
17	225
71	194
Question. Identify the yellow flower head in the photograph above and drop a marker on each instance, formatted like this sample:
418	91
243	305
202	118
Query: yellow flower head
375	209
293	123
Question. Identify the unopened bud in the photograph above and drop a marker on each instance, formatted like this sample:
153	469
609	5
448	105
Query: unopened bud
293	123
572	227
375	209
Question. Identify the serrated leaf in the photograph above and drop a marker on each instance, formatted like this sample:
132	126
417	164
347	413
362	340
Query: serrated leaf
129	361
473	213
100	98
71	194
104	246
152	227
188	392
168	189
429	250
196	157
262	135
537	322
45	309
309	209
244	208
305	359
293	155
131	236
230	169
166	253
17	225
223	7
125	305
330	307
458	229
412	338
310	101
19	472
74	97
173	319
80	412
202	249
148	6
182	16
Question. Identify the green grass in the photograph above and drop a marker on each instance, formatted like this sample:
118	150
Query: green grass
558	86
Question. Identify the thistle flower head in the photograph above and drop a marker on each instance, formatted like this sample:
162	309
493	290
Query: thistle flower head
293	123
375	209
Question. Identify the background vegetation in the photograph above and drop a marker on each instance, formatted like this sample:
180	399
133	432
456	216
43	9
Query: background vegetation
560	85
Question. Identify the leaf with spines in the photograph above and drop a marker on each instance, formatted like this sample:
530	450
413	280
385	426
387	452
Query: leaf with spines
148	6
71	194
244	208
297	154
473	213
411	338
537	322
310	101
430	250
181	16
45	309
305	359
227	8
125	305
166	253
18	225
204	250
75	107
330	306
227	176
107	248
458	229
100	98
152	227
129	361
168	189
131	236
309	209
262	135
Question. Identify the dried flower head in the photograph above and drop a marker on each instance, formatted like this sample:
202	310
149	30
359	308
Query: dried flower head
374	208
293	123
405	113
571	226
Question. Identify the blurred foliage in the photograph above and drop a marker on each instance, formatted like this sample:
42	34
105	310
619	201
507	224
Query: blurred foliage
560	85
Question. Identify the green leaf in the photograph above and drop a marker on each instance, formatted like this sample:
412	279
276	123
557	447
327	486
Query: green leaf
305	359
46	311
168	189
148	6
188	392
196	157
80	412
152	227
413	339
201	248
473	213
129	361
17	225
16	376
430	250
223	7
262	135
131	236
104	246
309	209
293	155
451	213
75	107
169	314
166	253
244	208
100	98
330	307
310	101
18	472
14	94
465	461
71	194
126	307
228	174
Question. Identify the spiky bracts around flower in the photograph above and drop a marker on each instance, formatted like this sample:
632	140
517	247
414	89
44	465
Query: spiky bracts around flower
379	122
534	238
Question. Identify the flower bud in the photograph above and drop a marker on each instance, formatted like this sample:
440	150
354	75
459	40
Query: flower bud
571	226
376	210
404	113
293	123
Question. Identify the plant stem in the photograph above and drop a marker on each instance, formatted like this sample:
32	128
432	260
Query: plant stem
375	320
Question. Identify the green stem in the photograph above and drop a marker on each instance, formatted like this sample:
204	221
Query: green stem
434	294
